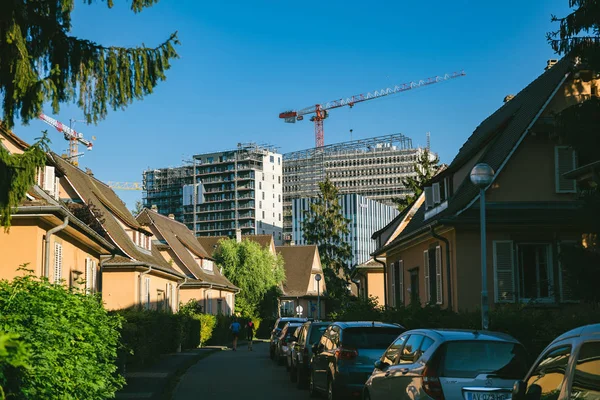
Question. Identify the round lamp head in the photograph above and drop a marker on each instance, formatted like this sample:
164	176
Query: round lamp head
482	175
317	277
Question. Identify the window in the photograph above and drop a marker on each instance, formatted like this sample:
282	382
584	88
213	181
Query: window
287	308
428	197
549	374
263	215
432	261
263	195
279	179
399	283
504	276
535	271
58	261
586	382
208	265
370	337
410	351
392	354
414	286
207	302
565	160
278	160
260	185
272	159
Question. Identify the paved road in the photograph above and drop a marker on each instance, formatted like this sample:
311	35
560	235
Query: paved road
241	374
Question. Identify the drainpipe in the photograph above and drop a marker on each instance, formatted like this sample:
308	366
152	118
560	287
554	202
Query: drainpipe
447	242
384	281
177	288
52	231
141	283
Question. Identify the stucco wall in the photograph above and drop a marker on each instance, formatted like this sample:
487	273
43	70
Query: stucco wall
120	289
22	244
375	285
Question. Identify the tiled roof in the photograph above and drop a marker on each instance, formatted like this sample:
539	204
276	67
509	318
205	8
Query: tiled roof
209	243
180	239
93	191
10	135
298	266
498	135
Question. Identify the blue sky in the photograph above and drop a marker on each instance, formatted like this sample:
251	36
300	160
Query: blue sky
244	62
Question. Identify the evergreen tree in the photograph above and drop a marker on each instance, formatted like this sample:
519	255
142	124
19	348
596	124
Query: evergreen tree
138	208
325	226
41	63
426	167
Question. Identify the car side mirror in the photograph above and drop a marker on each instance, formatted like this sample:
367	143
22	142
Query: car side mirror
518	392
381	365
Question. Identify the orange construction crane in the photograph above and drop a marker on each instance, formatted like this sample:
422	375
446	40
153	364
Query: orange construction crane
321	110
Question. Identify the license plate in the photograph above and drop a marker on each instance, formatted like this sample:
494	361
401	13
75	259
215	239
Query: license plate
488	396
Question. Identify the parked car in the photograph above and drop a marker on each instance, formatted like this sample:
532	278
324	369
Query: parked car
448	364
343	359
286	337
279	323
569	368
301	353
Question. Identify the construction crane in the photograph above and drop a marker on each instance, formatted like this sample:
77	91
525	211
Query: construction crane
321	110
125	185
71	135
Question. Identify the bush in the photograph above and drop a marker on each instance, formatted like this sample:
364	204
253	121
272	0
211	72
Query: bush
72	341
14	358
222	334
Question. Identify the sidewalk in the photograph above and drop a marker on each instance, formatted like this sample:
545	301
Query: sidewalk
158	380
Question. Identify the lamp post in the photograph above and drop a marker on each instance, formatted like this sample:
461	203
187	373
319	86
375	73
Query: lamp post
318	279
482	176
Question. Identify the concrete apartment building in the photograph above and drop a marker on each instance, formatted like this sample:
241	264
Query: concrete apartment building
223	191
366	216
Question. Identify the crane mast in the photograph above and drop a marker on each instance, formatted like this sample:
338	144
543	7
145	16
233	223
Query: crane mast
71	135
321	110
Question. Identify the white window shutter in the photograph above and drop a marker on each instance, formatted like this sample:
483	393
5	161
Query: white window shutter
56	188
428	197
436	193
49	180
393	281
94	277
57	262
504	272
566	288
88	275
564	161
401	273
438	275
426	270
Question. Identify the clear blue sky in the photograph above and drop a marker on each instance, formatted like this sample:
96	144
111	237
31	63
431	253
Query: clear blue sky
243	62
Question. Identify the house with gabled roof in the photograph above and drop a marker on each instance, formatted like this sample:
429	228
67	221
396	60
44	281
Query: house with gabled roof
530	208
203	281
47	237
137	274
210	243
301	288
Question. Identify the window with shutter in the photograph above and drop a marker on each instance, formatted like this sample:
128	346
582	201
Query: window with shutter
436	193
88	275
504	272
401	280
393	284
564	280
426	271
49	180
94	277
57	262
438	275
428	197
565	160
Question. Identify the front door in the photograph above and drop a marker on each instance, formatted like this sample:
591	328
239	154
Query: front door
414	286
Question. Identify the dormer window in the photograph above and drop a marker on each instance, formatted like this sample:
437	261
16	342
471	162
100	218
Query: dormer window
142	240
208	265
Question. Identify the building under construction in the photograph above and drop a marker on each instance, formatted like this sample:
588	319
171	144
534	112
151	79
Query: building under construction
373	168
163	189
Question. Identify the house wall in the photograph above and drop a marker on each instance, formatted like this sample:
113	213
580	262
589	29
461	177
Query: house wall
10	146
120	289
214	295
530	174
574	91
22	244
307	303
375	285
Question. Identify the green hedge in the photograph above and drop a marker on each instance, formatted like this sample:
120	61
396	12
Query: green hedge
222	333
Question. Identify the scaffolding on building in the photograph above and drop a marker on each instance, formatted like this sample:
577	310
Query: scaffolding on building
163	189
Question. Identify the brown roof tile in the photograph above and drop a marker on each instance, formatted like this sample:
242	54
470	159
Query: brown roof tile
298	266
209	243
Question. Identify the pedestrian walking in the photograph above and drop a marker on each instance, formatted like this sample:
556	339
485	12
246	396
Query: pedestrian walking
250	333
235	332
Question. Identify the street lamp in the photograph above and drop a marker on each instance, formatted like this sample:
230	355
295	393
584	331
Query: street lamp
482	176
318	279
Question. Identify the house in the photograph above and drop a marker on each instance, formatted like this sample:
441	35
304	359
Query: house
530	208
203	281
301	287
210	243
370	277
137	274
47	237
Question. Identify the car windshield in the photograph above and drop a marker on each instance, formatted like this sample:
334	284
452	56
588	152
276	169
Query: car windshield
468	359
291	330
369	337
316	332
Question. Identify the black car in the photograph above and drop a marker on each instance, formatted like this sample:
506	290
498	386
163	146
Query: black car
279	324
301	353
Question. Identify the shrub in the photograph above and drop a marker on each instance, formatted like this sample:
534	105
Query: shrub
201	329
71	339
14	357
207	326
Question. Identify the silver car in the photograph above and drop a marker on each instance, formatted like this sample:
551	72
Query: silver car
569	368
448	364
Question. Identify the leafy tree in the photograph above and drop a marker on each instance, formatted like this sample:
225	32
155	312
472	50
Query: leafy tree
40	62
253	269
14	358
426	167
138	208
325	226
71	339
17	175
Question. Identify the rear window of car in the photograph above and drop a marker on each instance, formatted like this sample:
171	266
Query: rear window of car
468	359
369	337
315	333
291	330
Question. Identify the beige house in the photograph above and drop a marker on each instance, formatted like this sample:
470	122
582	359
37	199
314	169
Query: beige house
137	274
203	281
302	264
370	276
210	243
48	238
435	257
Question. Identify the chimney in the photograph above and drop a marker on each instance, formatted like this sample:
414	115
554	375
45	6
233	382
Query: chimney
509	98
238	235
550	64
154	208
172	216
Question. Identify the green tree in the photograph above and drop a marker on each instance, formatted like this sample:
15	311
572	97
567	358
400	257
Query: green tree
253	269
40	62
14	358
324	225
71	339
426	167
138	208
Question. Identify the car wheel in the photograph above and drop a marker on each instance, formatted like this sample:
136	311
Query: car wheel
312	390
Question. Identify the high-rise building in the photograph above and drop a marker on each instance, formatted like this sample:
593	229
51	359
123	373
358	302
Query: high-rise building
373	168
366	216
222	192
